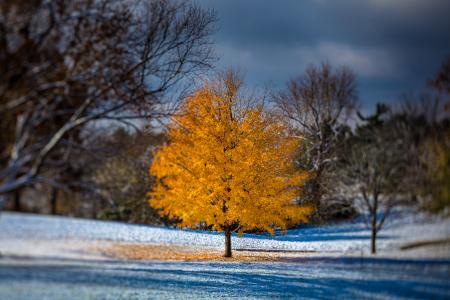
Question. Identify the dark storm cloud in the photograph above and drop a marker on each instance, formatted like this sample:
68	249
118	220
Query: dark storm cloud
394	46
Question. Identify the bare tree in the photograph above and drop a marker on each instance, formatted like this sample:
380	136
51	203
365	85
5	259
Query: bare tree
441	82
318	103
375	169
123	180
66	64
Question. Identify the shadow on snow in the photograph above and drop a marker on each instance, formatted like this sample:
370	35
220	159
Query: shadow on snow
307	277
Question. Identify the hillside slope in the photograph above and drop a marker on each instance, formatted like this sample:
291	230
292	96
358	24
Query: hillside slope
420	235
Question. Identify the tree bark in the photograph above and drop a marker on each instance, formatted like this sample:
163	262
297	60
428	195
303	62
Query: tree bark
94	209
227	243
374	234
2	201
54	201
17	201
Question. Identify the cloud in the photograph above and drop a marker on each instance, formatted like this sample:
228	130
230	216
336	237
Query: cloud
392	45
366	62
266	62
403	6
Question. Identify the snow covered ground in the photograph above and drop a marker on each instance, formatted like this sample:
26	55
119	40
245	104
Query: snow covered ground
318	278
342	238
50	258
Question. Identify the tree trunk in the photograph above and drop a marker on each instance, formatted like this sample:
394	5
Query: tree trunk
227	243
94	208
54	201
2	201
17	201
374	234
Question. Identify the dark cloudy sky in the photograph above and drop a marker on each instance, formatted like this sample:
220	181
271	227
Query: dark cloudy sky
393	46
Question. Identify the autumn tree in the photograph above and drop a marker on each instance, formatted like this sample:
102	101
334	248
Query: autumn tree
436	149
228	164
436	189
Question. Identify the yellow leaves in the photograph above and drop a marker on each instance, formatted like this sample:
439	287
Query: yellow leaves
437	159
228	164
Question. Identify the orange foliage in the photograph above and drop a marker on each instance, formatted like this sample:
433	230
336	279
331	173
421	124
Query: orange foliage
228	164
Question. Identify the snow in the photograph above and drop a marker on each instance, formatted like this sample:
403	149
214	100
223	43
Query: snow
342	238
46	257
332	278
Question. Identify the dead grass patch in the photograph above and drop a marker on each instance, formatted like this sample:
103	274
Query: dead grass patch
170	252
